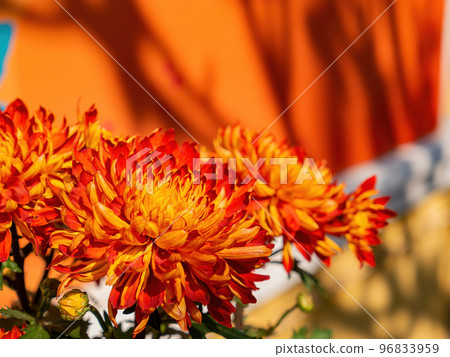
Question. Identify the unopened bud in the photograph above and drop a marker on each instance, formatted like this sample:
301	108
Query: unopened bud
305	302
73	305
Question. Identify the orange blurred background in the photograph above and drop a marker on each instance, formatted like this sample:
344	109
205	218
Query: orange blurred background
215	62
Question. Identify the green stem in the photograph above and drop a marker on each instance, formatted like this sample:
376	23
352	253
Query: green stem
276	252
297	269
239	316
48	259
271	329
19	277
9	282
27	250
99	317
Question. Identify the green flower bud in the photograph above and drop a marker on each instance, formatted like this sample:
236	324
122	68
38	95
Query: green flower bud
305	302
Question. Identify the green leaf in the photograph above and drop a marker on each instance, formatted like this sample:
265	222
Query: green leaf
35	332
17	314
9	264
321	333
300	333
12	266
317	333
119	333
66	330
198	331
213	326
75	333
79	331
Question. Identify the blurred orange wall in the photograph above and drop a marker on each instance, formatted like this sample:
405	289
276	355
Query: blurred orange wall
216	62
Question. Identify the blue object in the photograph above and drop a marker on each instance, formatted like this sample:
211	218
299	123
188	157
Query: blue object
5	38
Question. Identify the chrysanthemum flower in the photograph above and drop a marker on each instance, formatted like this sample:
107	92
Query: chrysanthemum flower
90	130
364	216
88	133
294	196
12	334
32	149
176	245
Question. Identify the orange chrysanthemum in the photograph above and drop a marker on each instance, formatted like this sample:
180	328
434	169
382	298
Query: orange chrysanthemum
12	334
364	215
298	199
32	149
88	133
183	243
91	131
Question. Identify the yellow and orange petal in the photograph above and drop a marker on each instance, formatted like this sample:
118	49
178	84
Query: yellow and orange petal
34	154
91	131
365	215
31	149
176	245
305	209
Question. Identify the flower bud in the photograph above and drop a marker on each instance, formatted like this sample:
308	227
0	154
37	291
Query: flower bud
73	305
305	302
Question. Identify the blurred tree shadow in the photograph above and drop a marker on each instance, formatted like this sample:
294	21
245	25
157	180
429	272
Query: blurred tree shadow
119	27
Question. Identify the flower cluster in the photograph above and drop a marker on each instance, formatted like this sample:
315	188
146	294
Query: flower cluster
302	202
167	237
